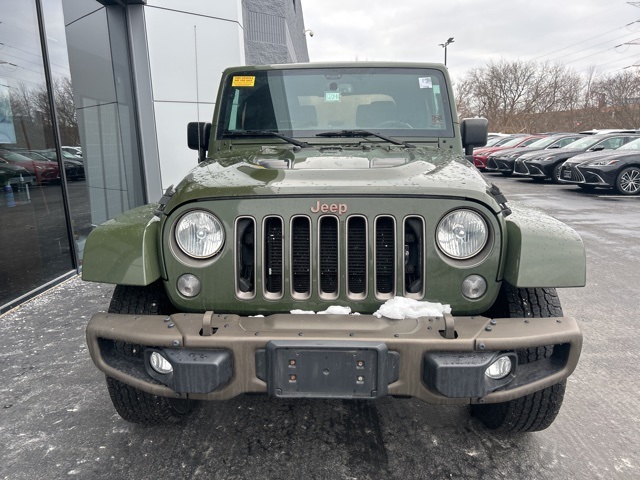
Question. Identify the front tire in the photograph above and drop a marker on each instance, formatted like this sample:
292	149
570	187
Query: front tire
132	404
538	410
555	173
628	181
136	406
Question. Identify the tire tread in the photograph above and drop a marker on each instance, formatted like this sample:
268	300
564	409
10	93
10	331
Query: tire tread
538	410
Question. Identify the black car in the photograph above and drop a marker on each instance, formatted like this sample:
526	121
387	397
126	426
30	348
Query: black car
13	174
504	160
619	169
547	164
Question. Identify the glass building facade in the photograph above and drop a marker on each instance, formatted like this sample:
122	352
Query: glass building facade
94	100
43	203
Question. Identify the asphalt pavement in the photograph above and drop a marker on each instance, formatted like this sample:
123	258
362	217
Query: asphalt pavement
57	421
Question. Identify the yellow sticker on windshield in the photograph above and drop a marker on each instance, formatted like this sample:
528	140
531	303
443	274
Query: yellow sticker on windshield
243	81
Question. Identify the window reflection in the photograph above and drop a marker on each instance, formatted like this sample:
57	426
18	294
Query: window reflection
34	241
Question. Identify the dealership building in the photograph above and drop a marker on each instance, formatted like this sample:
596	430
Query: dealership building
120	79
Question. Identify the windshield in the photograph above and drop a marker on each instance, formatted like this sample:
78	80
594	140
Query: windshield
405	102
584	142
513	142
493	141
543	142
633	145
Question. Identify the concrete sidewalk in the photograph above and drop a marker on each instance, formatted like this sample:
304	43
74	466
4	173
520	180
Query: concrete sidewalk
46	379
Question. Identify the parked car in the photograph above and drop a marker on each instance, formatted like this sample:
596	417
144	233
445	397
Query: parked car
73	166
480	155
77	151
618	169
42	170
14	174
503	160
547	164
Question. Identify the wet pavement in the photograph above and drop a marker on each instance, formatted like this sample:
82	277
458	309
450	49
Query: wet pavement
56	420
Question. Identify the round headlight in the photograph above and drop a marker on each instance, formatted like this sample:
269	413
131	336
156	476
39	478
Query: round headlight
462	234
199	234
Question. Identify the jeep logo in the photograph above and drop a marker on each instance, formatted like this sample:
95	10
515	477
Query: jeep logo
338	208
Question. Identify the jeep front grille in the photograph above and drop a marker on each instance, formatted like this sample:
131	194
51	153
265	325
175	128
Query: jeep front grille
301	257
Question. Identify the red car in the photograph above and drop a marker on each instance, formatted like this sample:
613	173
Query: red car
43	171
480	154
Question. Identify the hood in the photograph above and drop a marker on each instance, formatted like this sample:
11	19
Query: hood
559	152
602	155
333	172
519	150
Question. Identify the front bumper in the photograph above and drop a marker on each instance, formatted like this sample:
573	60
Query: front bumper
589	175
500	164
438	360
531	169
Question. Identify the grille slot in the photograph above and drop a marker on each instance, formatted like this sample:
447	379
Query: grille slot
385	257
301	257
414	252
328	257
273	257
357	257
245	257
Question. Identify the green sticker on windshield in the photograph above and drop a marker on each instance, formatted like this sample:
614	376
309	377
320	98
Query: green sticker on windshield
331	96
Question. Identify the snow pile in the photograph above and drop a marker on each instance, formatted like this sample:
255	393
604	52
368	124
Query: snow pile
336	310
399	308
332	310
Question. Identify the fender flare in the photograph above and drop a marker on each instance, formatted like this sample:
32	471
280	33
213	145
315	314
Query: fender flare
542	251
124	250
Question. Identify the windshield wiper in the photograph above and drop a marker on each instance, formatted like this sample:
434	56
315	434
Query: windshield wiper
266	133
364	133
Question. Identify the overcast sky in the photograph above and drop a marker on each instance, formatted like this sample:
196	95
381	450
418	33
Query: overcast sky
578	33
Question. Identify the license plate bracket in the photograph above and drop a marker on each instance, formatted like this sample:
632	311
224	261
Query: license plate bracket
327	369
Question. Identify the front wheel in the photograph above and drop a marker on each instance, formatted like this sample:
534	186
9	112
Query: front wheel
530	413
628	181
538	410
555	174
132	404
136	406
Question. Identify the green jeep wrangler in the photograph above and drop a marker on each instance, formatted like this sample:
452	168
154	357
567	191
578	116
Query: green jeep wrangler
335	242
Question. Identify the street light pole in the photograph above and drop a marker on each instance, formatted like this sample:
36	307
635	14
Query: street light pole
444	45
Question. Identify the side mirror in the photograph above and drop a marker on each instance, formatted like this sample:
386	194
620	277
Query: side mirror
597	148
474	133
198	134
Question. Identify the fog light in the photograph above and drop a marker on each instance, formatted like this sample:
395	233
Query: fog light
160	364
499	369
189	285
474	286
